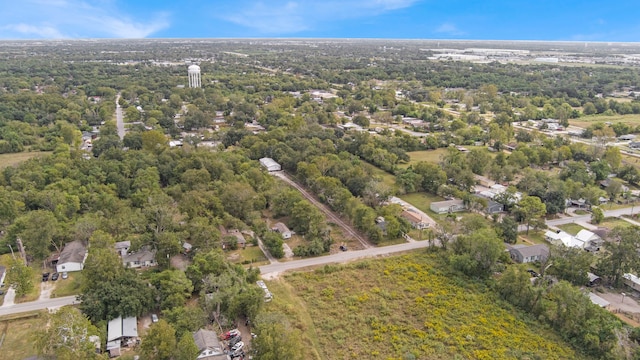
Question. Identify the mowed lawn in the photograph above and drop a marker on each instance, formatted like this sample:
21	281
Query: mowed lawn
14	159
406	307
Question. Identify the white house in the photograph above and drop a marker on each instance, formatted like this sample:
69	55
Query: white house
270	164
632	281
209	345
587	237
72	257
283	230
563	238
144	257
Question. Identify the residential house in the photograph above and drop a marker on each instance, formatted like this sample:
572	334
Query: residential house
121	333
122	247
144	257
449	206
283	230
416	220
72	257
525	254
241	241
209	346
483	181
493	207
589	238
606	182
563	238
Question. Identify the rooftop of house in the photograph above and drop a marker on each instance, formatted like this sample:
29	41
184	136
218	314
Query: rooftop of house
73	252
207	339
142	255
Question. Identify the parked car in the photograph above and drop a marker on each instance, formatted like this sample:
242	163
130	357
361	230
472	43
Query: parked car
532	273
65	275
234	341
55	276
237	347
231	334
343	248
154	318
45	276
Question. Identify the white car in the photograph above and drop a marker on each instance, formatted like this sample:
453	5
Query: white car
237	347
154	318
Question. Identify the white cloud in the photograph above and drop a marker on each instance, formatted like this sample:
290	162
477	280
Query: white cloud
55	19
449	29
287	16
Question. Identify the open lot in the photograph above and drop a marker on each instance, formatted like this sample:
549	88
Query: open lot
249	255
18	337
13	159
405	306
571	228
586	121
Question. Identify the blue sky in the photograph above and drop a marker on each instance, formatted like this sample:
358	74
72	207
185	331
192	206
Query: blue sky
586	20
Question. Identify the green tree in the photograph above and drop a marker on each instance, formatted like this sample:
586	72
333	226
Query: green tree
621	255
174	288
276	338
530	209
20	276
476	254
38	230
597	215
67	336
160	342
186	348
508	229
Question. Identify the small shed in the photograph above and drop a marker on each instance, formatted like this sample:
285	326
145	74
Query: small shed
632	281
270	164
594	280
598	300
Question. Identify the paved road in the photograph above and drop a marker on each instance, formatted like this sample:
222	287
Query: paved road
37	305
333	217
119	119
586	218
273	270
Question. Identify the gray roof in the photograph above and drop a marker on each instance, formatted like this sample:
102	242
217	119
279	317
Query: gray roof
73	252
122	245
207	339
533	250
448	203
142	255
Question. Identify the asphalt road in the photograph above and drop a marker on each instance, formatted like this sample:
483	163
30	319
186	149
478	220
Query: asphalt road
37	305
119	119
273	270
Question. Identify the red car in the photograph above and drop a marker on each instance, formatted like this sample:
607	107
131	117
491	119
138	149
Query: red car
231	334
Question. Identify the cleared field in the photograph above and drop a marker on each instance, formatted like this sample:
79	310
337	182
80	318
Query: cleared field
68	287
14	159
421	200
251	254
407	307
385	177
18	337
585	121
610	223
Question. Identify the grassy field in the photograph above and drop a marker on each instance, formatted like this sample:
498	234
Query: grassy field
67	287
18	342
534	237
388	179
14	159
571	228
407	307
585	121
610	223
250	253
421	200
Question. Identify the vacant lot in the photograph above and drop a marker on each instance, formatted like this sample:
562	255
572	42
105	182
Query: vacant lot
407	307
7	160
18	337
586	121
611	223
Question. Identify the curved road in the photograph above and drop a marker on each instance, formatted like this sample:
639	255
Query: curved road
323	208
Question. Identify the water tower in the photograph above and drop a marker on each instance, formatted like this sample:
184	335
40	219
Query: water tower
194	76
